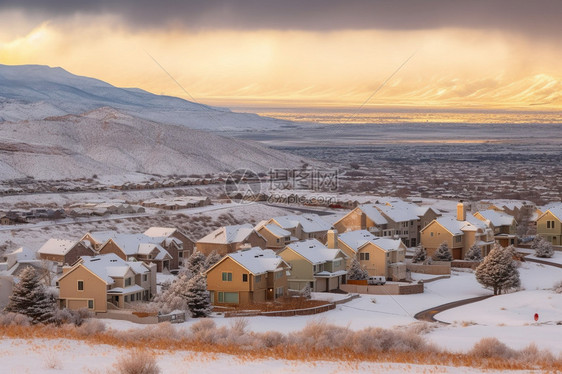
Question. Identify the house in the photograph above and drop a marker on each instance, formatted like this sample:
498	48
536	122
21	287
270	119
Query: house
65	251
228	239
515	208
247	276
314	265
183	247
460	233
275	236
549	224
304	226
392	218
503	225
104	282
378	256
15	262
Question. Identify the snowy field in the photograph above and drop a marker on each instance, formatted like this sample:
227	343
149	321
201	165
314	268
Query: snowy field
70	357
508	317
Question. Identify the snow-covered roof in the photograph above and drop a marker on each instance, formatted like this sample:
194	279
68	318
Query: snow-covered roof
256	260
277	231
401	211
130	244
127	290
229	234
309	222
56	247
497	218
359	238
99	265
456	227
556	211
22	254
510	204
314	251
160	231
374	214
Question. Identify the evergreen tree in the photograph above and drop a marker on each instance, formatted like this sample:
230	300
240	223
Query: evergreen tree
172	298
443	253
474	254
356	272
212	259
196	263
542	247
419	255
197	297
498	270
31	298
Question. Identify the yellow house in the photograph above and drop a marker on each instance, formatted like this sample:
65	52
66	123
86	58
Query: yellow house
315	265
503	225
246	277
379	256
460	233
549	225
101	282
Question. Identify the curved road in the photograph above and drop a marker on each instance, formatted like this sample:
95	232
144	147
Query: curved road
429	314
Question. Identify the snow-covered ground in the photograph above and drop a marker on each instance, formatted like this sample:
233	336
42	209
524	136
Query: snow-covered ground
507	317
67	356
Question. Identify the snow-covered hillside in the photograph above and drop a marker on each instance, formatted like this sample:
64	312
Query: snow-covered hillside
106	141
30	92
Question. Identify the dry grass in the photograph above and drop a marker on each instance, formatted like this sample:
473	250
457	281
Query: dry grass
317	341
137	362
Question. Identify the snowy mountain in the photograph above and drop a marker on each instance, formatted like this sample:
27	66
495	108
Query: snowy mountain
106	141
31	92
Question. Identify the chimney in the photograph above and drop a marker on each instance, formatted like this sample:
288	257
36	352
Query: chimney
332	239
461	211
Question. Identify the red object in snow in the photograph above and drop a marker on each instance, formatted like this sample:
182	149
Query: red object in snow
536	317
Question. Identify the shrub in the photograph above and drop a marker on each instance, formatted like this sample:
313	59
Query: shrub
542	247
14	319
492	348
443	253
91	326
558	287
419	255
474	254
137	362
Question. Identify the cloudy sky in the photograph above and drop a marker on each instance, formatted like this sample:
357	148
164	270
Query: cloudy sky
437	53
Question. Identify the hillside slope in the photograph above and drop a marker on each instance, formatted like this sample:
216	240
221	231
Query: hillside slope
106	141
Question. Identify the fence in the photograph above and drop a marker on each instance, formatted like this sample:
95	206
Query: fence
387	289
437	268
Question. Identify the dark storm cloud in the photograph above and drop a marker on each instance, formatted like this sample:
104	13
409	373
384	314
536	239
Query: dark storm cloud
541	17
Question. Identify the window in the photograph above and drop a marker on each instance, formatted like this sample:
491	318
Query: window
133	297
278	292
80	285
180	254
228	297
337	262
127	282
431	234
278	274
227	277
126	299
244	277
364	256
458	239
550	224
277	240
145	277
258	279
90	304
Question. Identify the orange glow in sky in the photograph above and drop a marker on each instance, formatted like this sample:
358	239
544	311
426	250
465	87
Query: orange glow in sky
451	67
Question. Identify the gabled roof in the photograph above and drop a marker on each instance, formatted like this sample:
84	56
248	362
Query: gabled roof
555	210
256	260
309	222
400	211
56	247
314	251
497	218
456	227
108	266
129	243
358	239
22	254
228	234
373	213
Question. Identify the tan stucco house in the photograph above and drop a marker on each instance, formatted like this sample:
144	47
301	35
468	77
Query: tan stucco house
303	226
460	232
503	225
275	236
65	251
229	239
315	265
105	282
246	277
177	243
379	256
